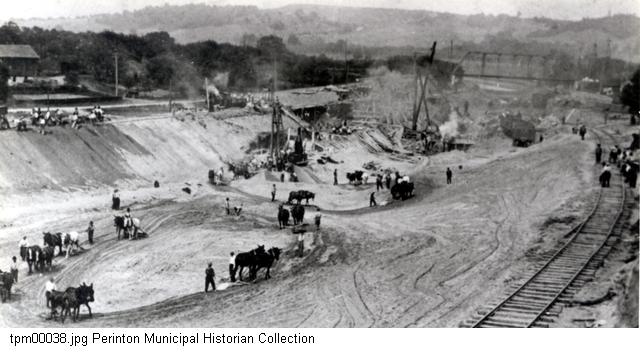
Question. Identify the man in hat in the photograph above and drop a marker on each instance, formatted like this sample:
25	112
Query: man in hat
209	275
24	244
232	267
115	200
49	287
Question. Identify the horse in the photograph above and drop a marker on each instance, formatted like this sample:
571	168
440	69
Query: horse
121	223
59	299
300	195
82	295
71	241
53	240
402	190
297	213
355	177
247	259
46	259
265	260
34	256
6	281
283	217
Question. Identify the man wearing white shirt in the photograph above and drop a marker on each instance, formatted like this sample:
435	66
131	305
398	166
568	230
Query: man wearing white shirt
24	244
232	267
49	287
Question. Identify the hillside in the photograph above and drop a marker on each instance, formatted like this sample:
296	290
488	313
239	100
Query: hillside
314	25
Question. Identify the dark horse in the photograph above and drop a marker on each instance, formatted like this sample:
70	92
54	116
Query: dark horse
46	260
82	295
297	213
34	258
283	217
59	299
301	195
265	260
53	240
247	259
6	281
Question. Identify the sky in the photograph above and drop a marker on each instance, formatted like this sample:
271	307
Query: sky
561	9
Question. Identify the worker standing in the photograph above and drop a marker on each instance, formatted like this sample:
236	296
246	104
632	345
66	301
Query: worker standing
372	199
209	278
89	231
301	244
598	153
227	207
273	193
115	200
582	131
232	267
379	182
335	177
49	287
24	244
14	269
317	221
449	175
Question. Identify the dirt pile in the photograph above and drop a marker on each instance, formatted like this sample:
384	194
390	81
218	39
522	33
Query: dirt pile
125	152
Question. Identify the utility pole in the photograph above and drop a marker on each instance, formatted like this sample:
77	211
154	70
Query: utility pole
451	49
346	63
116	88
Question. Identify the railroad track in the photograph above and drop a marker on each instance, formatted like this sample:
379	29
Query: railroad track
536	301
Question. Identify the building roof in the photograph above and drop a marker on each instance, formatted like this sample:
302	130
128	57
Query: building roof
307	98
17	51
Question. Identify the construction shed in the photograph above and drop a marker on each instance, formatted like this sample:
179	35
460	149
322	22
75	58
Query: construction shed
21	60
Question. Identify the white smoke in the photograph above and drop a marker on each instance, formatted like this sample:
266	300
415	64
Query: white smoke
451	128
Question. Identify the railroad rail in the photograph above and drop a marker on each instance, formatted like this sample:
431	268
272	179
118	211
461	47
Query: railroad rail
537	300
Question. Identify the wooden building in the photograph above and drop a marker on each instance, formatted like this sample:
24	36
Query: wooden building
21	60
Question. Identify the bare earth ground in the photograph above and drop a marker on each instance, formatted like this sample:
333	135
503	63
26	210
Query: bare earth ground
430	261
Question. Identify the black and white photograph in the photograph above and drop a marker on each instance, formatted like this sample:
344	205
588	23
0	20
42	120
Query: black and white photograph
307	164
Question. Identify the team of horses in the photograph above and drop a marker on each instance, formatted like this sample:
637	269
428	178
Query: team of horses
130	226
255	260
297	214
70	301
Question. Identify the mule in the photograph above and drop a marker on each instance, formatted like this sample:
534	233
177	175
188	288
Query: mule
53	240
82	295
61	300
6	281
265	260
71	242
297	213
247	259
128	225
34	255
283	217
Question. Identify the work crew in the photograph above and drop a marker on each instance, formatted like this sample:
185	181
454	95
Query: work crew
449	175
598	153
14	269
372	199
24	244
49	287
273	193
208	279
232	267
